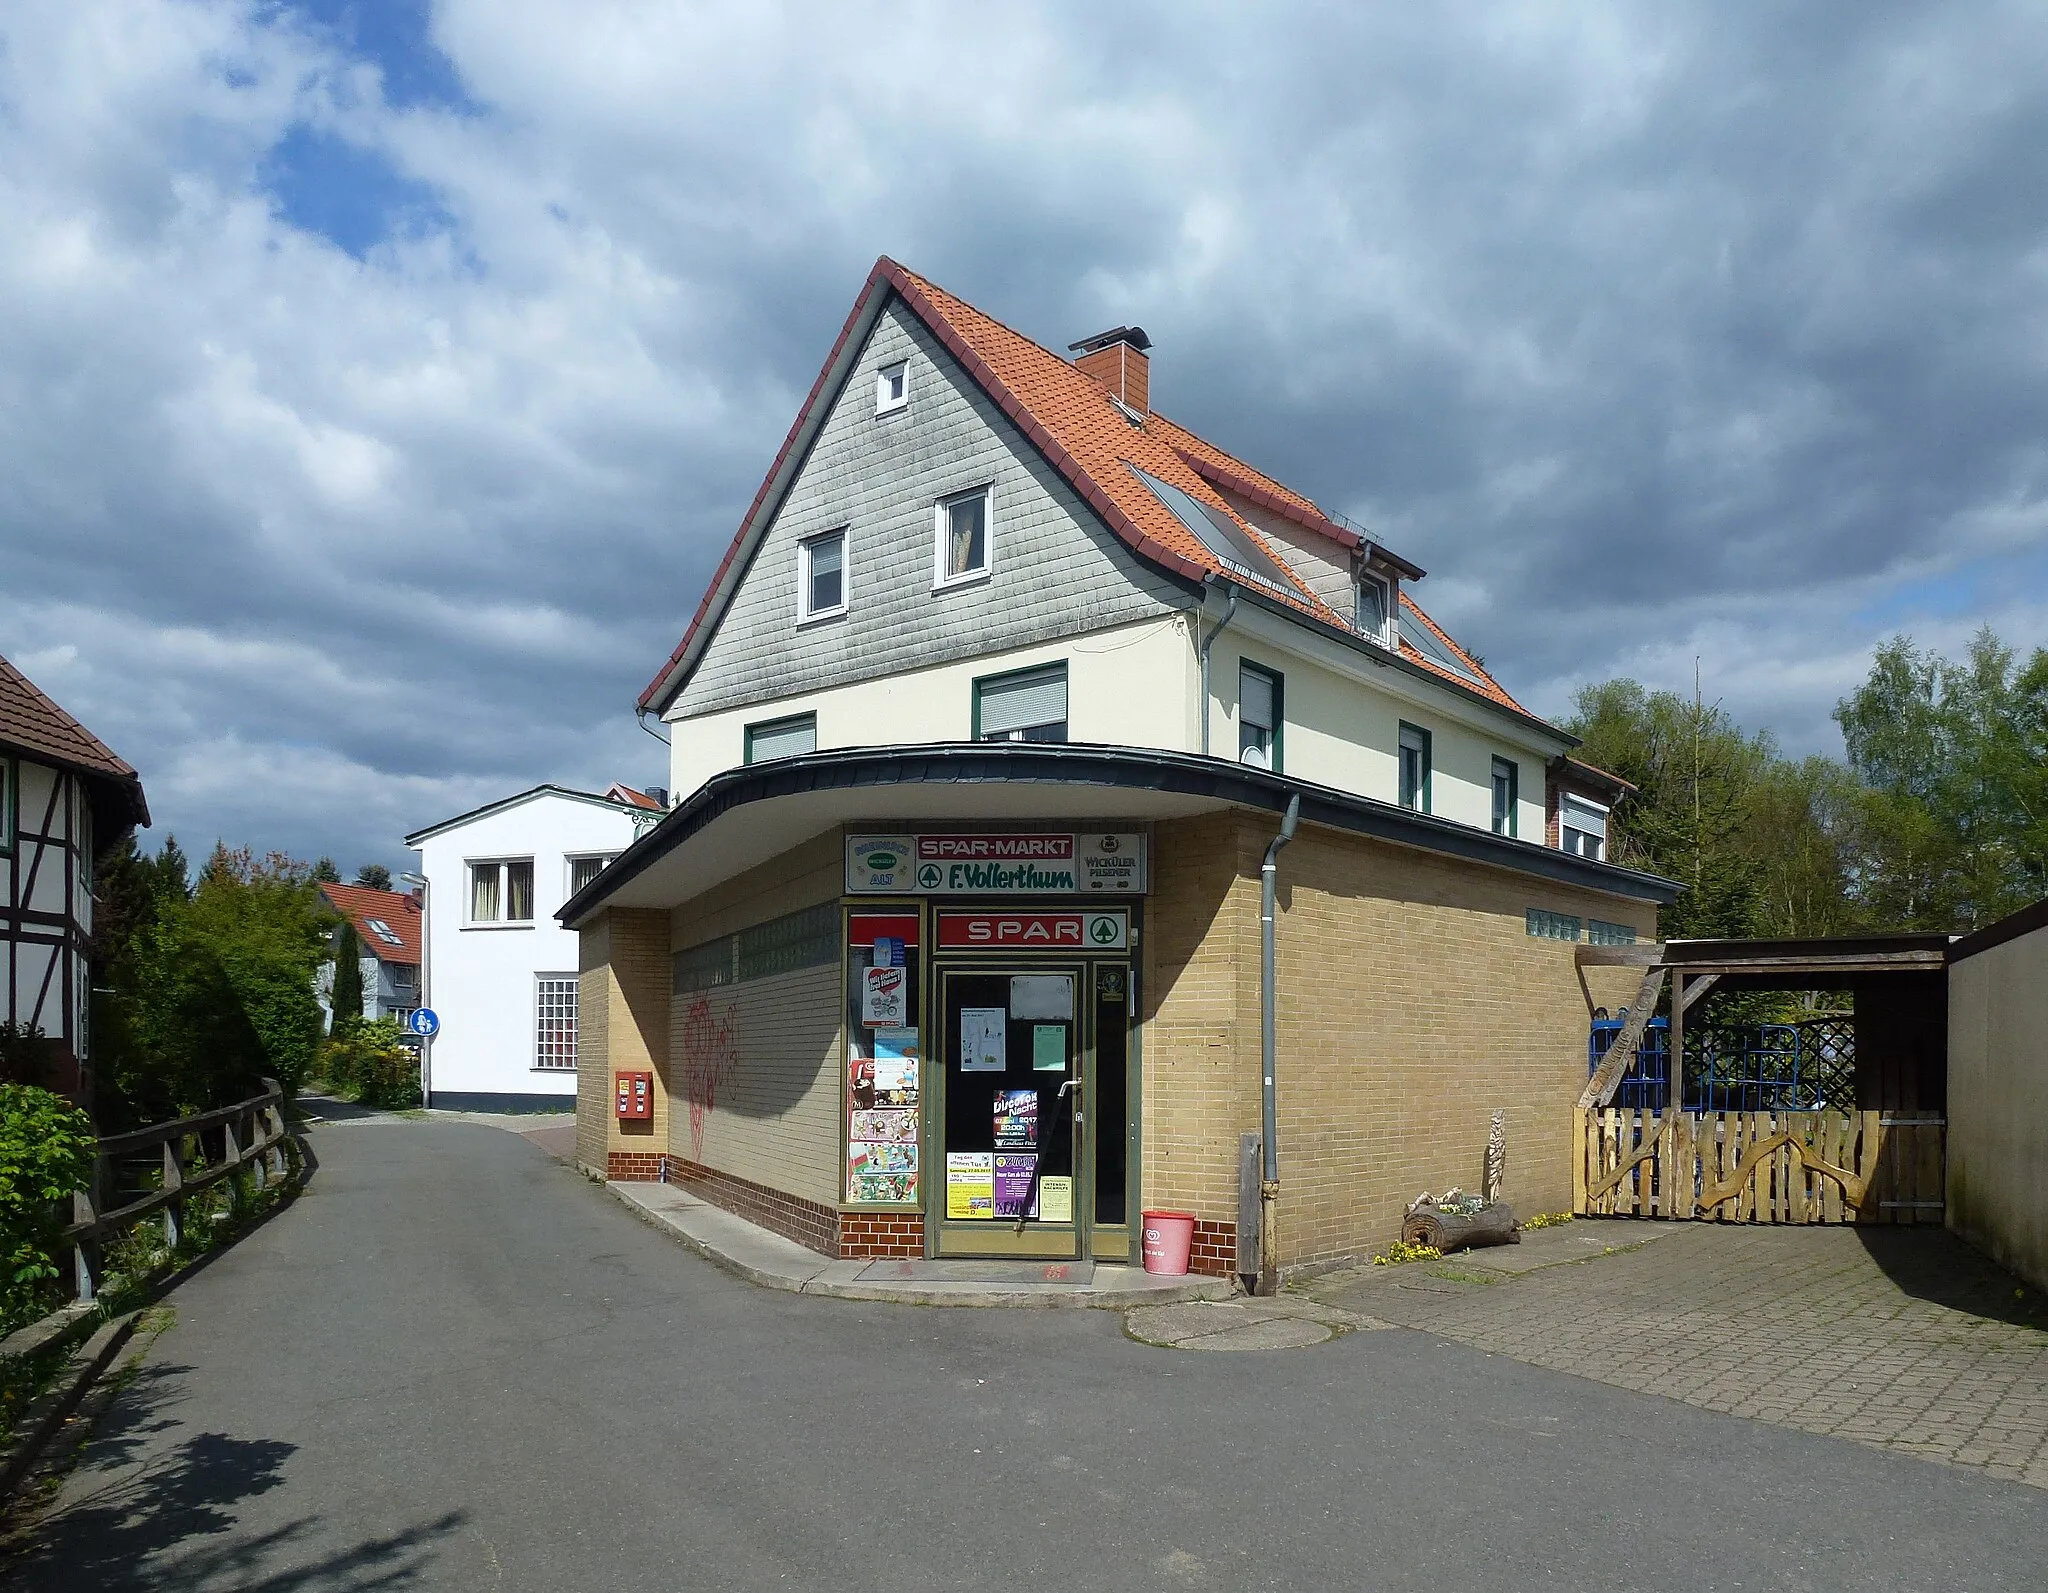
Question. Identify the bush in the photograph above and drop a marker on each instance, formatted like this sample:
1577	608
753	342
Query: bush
46	1153
370	1063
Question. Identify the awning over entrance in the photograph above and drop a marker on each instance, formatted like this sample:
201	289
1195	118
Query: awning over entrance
744	817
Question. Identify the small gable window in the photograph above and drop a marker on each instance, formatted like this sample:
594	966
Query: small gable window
892	387
1258	717
1030	705
1415	768
962	532
821	576
1375	609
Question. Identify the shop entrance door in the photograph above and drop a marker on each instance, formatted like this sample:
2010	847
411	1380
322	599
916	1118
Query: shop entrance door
1012	1111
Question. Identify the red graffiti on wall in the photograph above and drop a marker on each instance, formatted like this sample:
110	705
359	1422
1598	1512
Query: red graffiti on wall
711	1056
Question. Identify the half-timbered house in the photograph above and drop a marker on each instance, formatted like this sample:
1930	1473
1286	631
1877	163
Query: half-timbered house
65	797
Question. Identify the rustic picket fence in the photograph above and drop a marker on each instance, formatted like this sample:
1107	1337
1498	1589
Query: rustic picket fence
1760	1167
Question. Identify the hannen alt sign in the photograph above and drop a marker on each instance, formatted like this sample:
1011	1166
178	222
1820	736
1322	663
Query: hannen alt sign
1034	863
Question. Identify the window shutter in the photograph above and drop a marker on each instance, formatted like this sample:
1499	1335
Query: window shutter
1583	816
790	738
1018	702
1255	697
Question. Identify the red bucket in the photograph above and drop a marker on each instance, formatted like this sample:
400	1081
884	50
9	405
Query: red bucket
1169	1236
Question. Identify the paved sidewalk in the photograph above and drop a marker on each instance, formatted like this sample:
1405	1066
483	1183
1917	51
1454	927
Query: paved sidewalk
778	1263
1900	1337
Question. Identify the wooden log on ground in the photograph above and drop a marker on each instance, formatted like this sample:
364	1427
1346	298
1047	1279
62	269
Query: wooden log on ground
1449	1230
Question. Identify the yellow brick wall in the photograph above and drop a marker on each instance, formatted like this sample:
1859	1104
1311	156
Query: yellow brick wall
1412	1003
768	1111
622	1023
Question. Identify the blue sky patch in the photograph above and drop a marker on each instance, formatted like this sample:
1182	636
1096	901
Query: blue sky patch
350	195
394	35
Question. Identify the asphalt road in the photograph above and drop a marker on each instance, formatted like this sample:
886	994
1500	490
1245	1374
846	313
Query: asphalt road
455	1364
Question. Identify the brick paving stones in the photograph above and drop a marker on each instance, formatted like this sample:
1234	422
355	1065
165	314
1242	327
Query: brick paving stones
1899	1337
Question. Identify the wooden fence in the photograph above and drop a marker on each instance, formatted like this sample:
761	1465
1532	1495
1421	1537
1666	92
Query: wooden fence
1769	1167
197	1151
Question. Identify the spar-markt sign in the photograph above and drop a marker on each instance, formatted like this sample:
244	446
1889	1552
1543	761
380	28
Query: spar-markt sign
1035	864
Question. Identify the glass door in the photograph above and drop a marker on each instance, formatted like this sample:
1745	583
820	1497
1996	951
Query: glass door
1110	1089
1010	1118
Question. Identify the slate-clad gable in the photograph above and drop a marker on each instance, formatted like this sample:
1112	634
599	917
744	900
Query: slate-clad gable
1056	571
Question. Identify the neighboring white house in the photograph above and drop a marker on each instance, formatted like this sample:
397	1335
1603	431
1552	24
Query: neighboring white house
387	933
500	972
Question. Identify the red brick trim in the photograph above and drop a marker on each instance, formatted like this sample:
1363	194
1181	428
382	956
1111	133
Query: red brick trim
811	1225
633	1167
898	1235
1214	1252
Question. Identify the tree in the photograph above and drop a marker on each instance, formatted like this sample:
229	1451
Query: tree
347	998
326	872
375	876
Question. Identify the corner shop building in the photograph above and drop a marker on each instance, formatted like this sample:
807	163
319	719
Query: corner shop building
997	999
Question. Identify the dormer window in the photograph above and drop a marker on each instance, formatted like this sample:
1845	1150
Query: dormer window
1581	827
1375	608
892	387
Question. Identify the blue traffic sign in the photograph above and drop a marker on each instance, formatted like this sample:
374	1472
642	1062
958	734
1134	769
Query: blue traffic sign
424	1022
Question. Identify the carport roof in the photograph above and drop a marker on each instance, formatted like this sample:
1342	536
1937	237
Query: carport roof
744	817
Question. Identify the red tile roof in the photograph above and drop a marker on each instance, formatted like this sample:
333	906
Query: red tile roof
395	910
31	723
1071	419
628	797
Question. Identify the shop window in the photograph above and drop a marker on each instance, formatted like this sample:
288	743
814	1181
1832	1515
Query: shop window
1552	926
782	738
1029	705
501	891
1415	772
554	1028
1506	779
1258	717
1581	827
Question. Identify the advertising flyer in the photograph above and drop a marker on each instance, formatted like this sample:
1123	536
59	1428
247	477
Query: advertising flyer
970	1186
896	1158
984	1039
1011	1185
885	997
890	1126
895	1067
1016	1113
882	1188
1056	1199
1048	1048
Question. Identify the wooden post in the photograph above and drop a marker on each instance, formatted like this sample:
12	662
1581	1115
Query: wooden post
256	1161
1581	1148
1674	1066
230	1152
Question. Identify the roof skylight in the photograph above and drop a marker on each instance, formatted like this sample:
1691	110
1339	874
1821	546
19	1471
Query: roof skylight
1219	533
384	932
1420	637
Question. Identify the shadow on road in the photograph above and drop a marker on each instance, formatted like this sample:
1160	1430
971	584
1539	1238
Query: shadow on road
1932	1264
145	1516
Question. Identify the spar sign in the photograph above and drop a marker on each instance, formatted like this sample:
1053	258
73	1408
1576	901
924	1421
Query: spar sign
1024	930
1020	863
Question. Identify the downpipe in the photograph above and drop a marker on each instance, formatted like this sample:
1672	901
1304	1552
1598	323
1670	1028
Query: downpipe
1209	641
1269	1181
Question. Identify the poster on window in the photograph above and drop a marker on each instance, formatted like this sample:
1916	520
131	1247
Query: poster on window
1056	1199
1016	1119
970	1186
877	1189
984	1039
885	997
1013	1184
895	1067
883	1127
867	1159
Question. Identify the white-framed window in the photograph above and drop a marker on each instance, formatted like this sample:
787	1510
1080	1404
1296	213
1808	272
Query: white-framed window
1027	705
961	538
892	387
1258	716
1506	783
1376	608
1581	827
586	868
821	576
501	891
554	1022
1415	760
781	738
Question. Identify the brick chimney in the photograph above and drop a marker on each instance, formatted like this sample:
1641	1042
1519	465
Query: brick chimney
1119	362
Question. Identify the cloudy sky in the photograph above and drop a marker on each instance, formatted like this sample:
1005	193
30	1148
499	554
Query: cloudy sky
380	380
